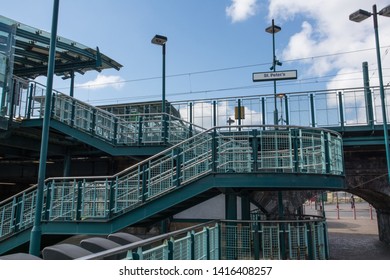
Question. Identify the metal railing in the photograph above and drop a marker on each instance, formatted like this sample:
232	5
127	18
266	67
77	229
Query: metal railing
241	150
326	108
302	238
129	130
199	242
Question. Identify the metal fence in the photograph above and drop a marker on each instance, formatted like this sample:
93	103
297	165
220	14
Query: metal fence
264	149
130	129
302	238
327	108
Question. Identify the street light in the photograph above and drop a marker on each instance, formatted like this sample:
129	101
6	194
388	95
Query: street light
161	41
359	16
274	29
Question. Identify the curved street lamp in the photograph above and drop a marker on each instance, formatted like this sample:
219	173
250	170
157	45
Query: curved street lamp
359	16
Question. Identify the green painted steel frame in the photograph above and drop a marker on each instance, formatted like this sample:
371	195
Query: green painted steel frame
304	238
76	56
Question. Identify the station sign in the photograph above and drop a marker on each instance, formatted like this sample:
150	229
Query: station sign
273	76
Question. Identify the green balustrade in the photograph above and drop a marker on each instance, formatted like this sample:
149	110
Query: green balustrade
219	150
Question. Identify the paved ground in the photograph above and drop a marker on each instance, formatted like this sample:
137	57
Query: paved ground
354	239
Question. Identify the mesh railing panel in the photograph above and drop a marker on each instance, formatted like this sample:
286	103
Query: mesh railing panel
7	216
298	242
299	150
270	242
275	151
200	245
182	248
236	241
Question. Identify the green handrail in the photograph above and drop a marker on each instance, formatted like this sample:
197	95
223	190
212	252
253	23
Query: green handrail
217	150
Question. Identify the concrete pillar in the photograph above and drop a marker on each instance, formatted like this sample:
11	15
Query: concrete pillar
383	217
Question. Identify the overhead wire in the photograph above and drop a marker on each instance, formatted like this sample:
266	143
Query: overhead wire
305	81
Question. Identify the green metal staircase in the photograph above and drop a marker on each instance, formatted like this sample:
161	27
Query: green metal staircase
115	135
263	157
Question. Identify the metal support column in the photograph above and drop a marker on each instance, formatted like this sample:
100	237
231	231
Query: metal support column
368	96
67	164
231	227
36	232
71	91
382	91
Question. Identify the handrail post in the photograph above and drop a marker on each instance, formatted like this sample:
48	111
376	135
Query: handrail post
295	136
263	112
256	241
286	109
208	245
214	147
312	109
79	199
93	122
192	245
73	113
140	123
177	155
48	201
144	182
115	132
112	187
255	150
214	113
30	96
326	241
165	127
53	103
326	136
11	110
341	110
15	214
309	235
190	121
170	249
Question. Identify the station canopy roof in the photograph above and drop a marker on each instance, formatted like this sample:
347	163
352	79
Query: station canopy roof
31	52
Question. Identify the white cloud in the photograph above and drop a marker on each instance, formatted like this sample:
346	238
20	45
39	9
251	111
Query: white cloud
325	29
103	81
240	10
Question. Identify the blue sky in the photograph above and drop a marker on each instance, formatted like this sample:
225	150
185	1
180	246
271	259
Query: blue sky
213	46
